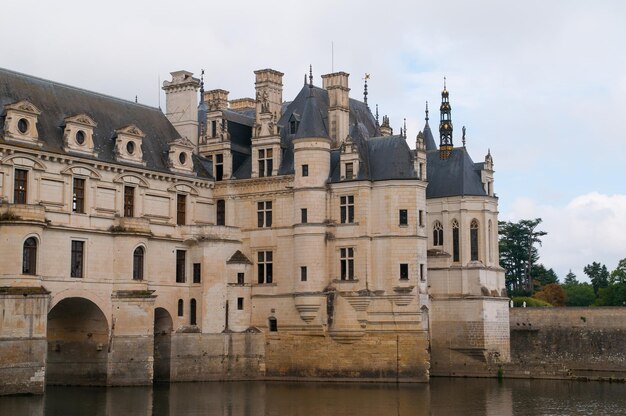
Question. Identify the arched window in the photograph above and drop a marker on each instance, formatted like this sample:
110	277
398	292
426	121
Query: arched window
437	234
29	256
456	252
273	324
138	263
192	312
489	242
474	240
221	212
180	307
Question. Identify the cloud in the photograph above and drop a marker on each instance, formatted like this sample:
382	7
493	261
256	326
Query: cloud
591	227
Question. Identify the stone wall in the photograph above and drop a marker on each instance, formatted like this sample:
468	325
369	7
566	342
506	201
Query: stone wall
568	343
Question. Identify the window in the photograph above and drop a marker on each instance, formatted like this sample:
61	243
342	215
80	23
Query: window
347	263
129	201
303	273
437	234
240	278
138	263
77	260
421	218
404	271
220	212
264	267
293	127
240	304
20	186
213	128
404	217
474	240
455	241
180	266
264	214
421	171
219	167
303	215
422	277
273	324
192	312
29	256
181	206
197	273
78	197
349	171
266	162
180	307
347	209
305	170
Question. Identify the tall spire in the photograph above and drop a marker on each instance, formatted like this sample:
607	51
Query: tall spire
367	76
445	124
376	113
427	112
310	76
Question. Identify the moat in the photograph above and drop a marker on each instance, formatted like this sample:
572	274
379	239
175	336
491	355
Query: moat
443	396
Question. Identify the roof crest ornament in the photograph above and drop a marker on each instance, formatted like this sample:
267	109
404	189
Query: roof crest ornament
201	85
404	128
463	138
377	113
427	112
310	76
367	76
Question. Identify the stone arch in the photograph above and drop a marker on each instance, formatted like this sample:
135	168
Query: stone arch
24	160
82	170
78	343
101	303
132	179
184	188
163	327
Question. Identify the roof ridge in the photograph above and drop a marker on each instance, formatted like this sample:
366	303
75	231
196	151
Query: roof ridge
60	84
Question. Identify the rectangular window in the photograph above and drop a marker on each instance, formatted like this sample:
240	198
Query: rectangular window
180	266
240	278
78	197
305	170
181	207
219	167
349	171
197	273
404	271
347	263
404	217
264	214
422	277
264	267
266	162
20	186
78	259
347	209
220	215
303	273
303	215
421	218
240	304
129	201
213	128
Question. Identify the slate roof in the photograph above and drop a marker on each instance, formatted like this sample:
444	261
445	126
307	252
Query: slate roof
456	176
58	101
429	140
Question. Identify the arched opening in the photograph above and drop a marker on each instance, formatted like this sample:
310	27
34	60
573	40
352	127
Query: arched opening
163	327
192	312
138	255
474	240
29	256
78	340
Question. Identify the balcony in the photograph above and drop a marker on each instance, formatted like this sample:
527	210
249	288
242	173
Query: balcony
133	225
21	213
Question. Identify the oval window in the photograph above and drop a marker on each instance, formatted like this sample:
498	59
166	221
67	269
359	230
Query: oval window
22	125
80	137
182	156
130	148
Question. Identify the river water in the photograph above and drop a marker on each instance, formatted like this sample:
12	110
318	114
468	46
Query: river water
443	396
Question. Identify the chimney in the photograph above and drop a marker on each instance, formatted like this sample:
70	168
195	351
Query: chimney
242	103
338	106
181	104
269	93
216	100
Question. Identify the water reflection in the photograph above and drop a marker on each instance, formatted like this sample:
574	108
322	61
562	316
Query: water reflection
440	397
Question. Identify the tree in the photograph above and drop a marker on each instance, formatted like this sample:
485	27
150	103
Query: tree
543	276
552	293
618	276
570	278
598	274
579	294
518	253
613	295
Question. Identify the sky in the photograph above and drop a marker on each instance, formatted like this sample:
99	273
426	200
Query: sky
542	84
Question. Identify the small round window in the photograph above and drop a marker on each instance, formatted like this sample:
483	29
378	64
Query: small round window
80	137
182	156
22	125
130	148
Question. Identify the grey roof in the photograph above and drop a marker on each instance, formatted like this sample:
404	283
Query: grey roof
457	175
429	139
312	124
57	101
238	117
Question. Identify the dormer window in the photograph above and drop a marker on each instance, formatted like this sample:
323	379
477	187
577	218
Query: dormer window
20	122
78	134
294	123
128	145
180	155
130	148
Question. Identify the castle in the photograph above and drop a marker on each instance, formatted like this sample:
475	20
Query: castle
239	239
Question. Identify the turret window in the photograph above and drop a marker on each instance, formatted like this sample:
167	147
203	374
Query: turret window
305	170
29	256
474	240
437	234
303	215
138	256
266	162
219	167
404	271
404	217
455	241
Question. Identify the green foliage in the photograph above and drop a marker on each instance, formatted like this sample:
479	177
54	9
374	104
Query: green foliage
518	252
570	278
579	294
542	277
518	301
552	293
598	274
618	276
613	295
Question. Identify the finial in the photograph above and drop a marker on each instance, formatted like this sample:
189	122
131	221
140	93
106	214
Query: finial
404	128
367	76
426	111
444	83
376	113
135	99
463	138
201	83
489	151
310	76
305	78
